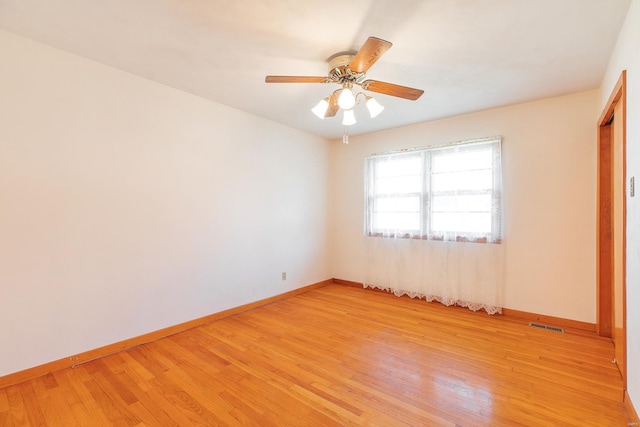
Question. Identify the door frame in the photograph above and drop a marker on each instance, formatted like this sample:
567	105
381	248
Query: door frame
605	323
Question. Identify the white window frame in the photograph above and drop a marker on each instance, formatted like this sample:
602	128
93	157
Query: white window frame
426	194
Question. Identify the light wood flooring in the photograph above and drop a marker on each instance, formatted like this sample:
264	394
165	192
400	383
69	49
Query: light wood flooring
337	355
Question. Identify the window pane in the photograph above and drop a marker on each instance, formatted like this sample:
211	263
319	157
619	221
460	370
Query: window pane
448	160
397	204
467	203
399	165
465	180
398	184
461	222
396	221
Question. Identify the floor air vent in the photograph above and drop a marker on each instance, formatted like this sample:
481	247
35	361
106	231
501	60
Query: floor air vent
547	327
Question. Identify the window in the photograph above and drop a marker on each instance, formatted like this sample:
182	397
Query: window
448	193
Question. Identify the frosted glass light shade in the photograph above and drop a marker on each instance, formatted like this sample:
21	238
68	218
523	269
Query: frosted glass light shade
321	108
349	118
346	100
374	107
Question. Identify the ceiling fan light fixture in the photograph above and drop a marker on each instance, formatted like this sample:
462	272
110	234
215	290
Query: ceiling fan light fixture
321	108
349	70
349	118
346	100
374	107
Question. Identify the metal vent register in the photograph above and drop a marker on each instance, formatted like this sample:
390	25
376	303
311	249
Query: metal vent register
547	327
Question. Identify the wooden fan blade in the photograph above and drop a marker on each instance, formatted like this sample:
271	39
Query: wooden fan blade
333	105
393	90
368	54
295	79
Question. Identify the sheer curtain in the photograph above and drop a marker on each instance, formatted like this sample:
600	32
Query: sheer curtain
433	224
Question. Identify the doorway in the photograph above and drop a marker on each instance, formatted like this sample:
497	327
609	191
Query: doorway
611	224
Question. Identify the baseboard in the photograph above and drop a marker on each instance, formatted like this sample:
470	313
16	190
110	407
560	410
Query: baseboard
348	283
71	361
633	415
550	320
516	314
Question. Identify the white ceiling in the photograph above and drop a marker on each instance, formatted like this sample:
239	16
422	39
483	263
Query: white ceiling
467	55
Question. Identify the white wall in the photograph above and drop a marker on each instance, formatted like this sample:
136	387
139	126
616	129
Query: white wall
127	206
627	56
549	164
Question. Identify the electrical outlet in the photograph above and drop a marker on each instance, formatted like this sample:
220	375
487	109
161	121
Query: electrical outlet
284	275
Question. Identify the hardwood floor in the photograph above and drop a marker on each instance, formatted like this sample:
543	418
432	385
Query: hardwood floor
337	355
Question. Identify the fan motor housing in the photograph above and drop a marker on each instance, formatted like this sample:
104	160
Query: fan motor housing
342	59
339	70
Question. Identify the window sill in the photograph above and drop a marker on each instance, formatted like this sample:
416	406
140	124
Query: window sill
458	239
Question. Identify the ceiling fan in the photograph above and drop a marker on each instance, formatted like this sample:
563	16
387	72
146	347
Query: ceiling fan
348	69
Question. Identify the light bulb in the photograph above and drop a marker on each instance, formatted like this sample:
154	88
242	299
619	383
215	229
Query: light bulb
346	100
374	107
349	118
321	109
